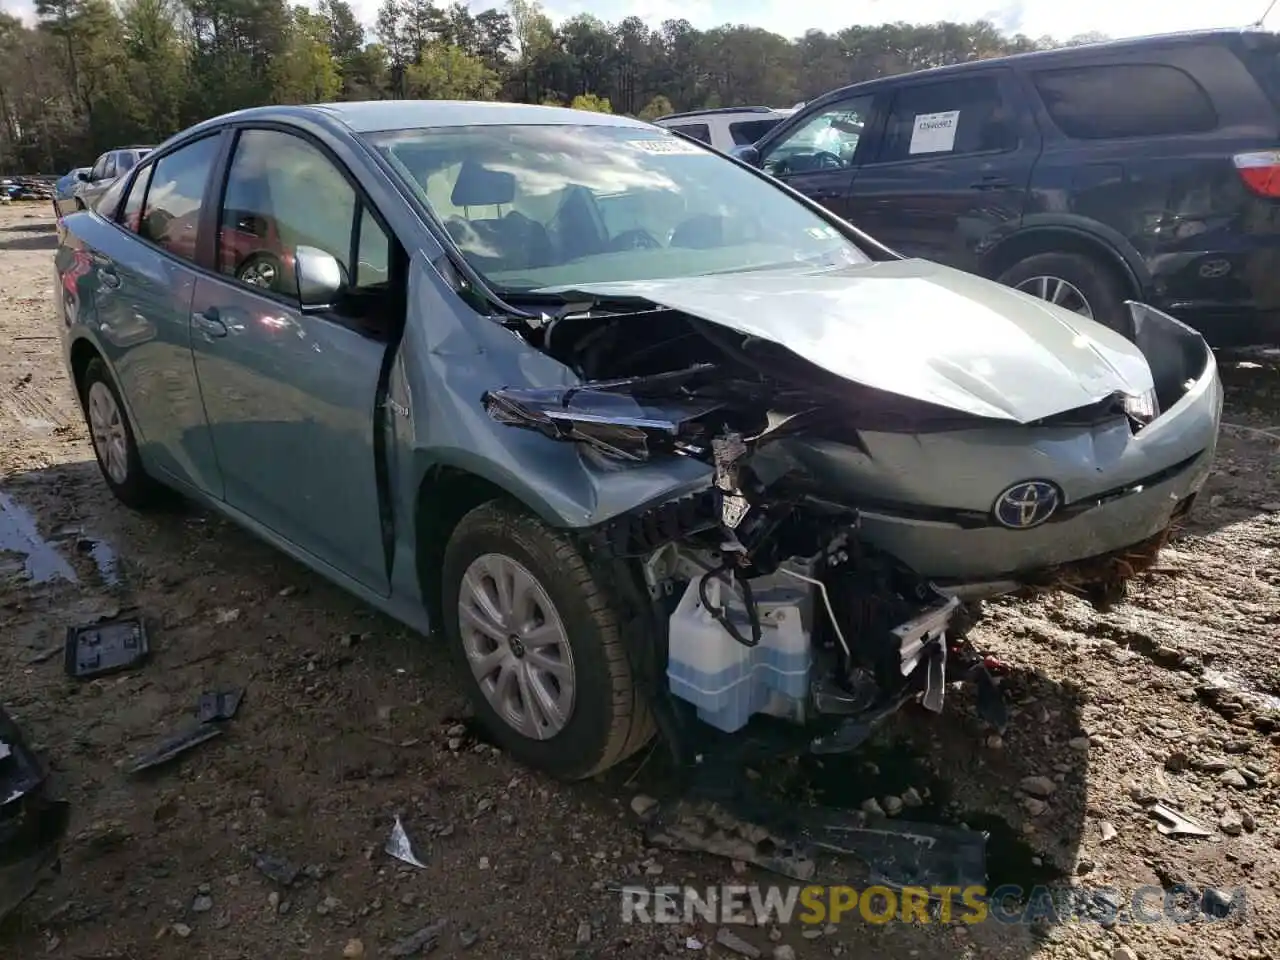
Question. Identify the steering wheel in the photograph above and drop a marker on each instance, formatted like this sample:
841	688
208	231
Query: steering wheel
828	160
636	239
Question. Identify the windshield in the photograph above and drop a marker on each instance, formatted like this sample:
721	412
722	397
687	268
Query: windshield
532	207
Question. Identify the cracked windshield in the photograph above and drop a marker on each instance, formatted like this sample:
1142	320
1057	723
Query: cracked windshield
534	207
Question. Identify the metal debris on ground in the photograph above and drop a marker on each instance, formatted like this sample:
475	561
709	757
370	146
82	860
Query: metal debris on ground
99	649
32	824
398	845
418	944
174	746
220	705
1175	824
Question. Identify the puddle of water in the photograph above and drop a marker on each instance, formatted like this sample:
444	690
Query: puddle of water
104	557
18	534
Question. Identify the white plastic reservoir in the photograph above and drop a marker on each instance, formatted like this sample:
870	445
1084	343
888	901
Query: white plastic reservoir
727	680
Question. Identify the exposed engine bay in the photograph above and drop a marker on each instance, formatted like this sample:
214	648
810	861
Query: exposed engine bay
814	577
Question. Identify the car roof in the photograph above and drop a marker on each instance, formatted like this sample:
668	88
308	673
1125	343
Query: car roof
371	116
1056	55
717	112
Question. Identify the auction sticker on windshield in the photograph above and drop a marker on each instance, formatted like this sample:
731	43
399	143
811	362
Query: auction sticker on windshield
934	132
672	146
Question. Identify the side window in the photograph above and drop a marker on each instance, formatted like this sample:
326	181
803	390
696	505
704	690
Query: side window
1125	100
111	172
272	207
99	168
106	203
172	211
746	132
827	140
699	131
958	117
125	162
131	215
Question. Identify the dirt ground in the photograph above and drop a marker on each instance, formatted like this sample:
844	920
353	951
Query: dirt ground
349	720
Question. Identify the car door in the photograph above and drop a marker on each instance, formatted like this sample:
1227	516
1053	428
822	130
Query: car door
951	169
290	393
145	281
87	188
818	154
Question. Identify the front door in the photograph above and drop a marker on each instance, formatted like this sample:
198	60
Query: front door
290	395
819	154
952	169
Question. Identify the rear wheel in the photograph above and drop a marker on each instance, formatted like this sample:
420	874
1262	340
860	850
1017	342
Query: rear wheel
539	645
261	270
114	444
1073	281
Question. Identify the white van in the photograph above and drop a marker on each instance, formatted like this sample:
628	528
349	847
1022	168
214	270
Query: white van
726	127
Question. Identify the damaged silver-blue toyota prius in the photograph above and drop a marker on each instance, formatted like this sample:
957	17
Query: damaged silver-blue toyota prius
655	442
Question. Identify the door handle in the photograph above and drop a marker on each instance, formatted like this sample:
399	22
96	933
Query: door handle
991	183
211	323
108	277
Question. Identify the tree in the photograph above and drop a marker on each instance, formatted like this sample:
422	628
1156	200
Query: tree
446	72
589	101
659	106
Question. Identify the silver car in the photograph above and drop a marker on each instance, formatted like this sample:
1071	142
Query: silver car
643	433
88	184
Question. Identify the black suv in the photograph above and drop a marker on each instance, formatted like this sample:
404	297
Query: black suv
1139	169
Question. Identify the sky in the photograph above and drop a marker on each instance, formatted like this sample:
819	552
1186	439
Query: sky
1058	18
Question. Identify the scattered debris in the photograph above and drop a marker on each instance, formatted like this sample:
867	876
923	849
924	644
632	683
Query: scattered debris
731	941
227	616
353	950
398	846
174	746
276	868
99	649
33	823
1175	824
219	706
45	655
1041	787
417	944
1108	831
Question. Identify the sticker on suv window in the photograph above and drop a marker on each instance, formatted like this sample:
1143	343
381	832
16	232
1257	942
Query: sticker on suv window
934	132
672	146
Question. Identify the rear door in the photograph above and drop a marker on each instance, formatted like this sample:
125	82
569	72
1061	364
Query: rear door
291	394
952	168
145	278
820	152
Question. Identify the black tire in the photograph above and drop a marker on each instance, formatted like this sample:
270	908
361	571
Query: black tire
258	259
1095	280
610	720
138	490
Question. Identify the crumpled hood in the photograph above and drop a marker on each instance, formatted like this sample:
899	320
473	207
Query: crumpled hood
918	329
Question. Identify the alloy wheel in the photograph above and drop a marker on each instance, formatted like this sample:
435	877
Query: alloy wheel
1059	292
517	646
106	425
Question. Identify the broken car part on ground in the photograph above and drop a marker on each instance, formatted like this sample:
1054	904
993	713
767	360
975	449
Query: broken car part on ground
32	823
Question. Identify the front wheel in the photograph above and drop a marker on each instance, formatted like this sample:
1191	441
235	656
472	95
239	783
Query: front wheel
538	642
1073	281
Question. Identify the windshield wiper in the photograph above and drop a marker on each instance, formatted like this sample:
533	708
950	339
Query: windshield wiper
559	303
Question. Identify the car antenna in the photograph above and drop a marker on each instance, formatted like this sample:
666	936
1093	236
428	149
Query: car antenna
1265	13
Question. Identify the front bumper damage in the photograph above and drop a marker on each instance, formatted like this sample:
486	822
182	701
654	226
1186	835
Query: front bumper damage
32	824
826	573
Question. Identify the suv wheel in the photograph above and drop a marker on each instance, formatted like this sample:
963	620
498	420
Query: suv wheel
113	440
539	645
1072	281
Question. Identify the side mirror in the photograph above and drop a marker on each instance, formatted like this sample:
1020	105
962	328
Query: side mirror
84	175
321	279
747	154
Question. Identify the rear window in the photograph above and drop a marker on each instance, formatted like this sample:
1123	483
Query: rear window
1261	54
1125	100
746	132
699	131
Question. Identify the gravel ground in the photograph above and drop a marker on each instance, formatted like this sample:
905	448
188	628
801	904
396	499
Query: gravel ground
349	720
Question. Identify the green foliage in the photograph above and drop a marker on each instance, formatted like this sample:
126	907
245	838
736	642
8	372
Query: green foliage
94	74
589	101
